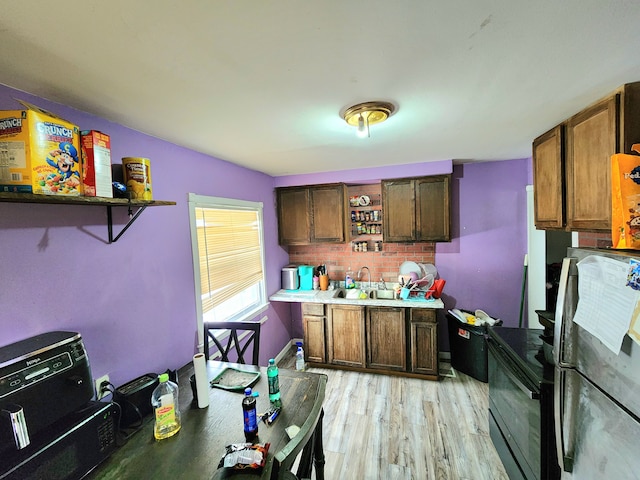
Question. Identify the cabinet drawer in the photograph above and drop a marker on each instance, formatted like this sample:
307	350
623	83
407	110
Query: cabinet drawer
423	315
313	309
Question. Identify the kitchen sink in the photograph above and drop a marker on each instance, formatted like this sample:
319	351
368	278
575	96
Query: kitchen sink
382	294
354	294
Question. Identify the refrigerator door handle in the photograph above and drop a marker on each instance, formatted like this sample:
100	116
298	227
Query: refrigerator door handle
565	307
563	416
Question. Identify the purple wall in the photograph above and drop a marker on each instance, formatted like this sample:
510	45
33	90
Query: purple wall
483	264
367	175
132	301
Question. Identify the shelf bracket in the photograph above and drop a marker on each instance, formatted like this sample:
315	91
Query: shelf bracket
132	218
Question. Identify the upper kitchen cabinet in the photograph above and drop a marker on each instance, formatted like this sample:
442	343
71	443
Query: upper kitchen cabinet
417	209
433	208
312	214
294	219
572	163
398	200
548	178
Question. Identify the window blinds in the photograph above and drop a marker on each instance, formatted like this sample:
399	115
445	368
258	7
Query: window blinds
229	246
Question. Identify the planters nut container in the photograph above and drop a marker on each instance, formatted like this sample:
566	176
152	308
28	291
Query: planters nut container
137	177
290	278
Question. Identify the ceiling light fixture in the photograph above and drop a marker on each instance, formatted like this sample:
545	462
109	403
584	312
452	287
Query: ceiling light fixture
365	114
363	128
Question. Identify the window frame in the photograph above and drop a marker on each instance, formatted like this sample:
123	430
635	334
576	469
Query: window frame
205	201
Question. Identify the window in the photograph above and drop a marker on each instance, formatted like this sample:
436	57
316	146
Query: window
228	259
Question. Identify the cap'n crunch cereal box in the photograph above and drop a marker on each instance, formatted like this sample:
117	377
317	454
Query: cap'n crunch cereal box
39	153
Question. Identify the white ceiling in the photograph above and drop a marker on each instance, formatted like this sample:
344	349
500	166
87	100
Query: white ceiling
262	83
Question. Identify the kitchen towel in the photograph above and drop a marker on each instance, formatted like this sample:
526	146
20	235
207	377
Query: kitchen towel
202	381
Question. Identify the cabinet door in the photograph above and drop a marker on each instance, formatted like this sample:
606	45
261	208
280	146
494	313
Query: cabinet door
548	179
328	221
591	140
386	333
293	216
345	335
314	345
433	208
398	205
424	342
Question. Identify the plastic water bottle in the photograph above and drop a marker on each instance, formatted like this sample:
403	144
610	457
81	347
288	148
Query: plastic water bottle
164	400
274	384
299	358
250	415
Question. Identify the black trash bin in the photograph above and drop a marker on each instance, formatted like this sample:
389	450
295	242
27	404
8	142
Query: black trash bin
468	346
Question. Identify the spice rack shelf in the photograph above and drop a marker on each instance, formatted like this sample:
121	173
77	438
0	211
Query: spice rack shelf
366	223
109	203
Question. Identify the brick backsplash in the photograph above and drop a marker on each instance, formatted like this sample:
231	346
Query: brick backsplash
384	264
594	240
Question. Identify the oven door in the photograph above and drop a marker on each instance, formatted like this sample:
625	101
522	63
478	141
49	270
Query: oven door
514	407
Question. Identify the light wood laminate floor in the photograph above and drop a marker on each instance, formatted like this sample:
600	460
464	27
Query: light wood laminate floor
386	427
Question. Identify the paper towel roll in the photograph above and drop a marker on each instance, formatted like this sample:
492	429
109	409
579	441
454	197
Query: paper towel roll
202	381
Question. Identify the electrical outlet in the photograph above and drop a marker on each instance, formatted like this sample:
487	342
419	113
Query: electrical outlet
99	392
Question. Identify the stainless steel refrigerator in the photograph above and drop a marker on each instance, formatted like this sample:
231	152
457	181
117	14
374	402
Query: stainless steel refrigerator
597	392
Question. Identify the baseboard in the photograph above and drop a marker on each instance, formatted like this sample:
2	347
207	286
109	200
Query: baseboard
286	350
445	356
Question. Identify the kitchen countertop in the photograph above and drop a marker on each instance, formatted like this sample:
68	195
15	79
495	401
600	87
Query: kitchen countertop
327	297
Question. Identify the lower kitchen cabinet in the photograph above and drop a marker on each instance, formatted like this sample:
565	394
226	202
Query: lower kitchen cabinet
345	335
396	340
313	320
386	347
424	341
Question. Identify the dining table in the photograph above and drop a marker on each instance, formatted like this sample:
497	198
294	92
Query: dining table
196	450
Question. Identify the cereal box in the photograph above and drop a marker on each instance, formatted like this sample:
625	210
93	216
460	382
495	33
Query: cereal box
625	200
96	164
39	153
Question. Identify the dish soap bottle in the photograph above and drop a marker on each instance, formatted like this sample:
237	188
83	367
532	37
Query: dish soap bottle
164	400
348	279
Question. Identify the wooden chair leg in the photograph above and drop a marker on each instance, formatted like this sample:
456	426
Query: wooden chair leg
318	449
313	454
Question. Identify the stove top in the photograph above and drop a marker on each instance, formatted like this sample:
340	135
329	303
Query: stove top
524	346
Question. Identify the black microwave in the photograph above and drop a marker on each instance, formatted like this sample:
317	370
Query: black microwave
68	449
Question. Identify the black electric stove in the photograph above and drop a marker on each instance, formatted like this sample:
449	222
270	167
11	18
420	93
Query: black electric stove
524	348
521	403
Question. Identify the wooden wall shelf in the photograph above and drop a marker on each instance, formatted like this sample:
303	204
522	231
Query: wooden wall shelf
89	201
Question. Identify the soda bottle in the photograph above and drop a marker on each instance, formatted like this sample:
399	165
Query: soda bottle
250	416
164	400
299	357
274	384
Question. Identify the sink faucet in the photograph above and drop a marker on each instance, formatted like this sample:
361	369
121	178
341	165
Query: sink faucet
368	271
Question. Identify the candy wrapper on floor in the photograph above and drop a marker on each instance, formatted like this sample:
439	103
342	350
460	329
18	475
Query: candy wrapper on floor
241	456
625	200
